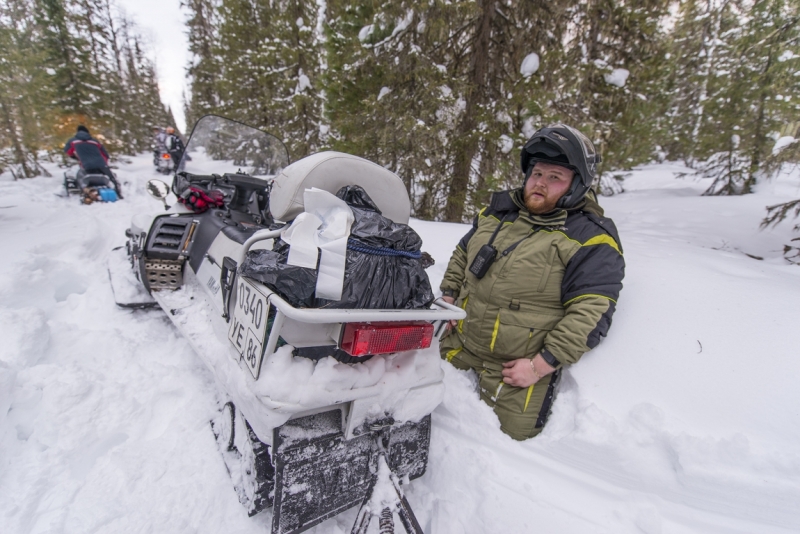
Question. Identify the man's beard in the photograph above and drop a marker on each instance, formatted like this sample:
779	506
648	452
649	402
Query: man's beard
540	205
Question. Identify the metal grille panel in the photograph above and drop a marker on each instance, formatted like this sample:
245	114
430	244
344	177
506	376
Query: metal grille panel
164	274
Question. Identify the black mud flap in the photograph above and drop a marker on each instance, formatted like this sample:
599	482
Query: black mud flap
319	473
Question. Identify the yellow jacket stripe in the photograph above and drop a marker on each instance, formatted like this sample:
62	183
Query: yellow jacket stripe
528	398
494	332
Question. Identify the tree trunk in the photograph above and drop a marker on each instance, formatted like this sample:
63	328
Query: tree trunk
467	142
13	135
759	139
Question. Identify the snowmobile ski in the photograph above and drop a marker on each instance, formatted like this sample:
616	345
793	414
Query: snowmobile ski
128	291
376	504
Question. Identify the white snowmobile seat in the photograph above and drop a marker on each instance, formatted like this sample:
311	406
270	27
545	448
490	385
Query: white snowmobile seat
331	171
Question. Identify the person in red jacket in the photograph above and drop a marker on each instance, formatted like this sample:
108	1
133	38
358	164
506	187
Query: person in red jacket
91	154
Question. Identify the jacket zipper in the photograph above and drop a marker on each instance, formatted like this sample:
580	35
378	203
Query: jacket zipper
547	268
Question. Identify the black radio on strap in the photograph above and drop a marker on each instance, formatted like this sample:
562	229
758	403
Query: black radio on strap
486	254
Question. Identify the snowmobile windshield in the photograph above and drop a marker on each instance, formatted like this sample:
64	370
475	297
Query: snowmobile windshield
218	145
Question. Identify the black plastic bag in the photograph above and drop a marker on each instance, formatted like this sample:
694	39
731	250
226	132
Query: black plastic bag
382	269
375	275
356	197
294	284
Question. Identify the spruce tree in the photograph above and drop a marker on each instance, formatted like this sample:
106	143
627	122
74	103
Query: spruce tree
204	69
25	95
266	72
610	87
751	96
701	45
387	97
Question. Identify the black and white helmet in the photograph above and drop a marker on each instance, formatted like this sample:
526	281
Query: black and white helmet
563	145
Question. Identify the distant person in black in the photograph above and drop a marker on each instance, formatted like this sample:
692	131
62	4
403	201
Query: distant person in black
91	155
175	147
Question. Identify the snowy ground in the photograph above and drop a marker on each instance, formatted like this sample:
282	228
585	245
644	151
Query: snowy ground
686	419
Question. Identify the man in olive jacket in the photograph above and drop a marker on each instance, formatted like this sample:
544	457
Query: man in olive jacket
539	275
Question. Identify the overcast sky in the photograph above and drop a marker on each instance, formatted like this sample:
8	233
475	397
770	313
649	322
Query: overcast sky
160	23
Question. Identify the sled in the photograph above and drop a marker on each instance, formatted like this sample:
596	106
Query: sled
309	451
89	187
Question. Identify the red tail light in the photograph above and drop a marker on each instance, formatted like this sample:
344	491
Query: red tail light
165	156
365	339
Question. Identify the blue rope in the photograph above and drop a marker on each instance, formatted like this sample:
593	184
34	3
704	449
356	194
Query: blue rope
352	244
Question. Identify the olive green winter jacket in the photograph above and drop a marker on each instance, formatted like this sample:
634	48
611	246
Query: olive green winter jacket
554	293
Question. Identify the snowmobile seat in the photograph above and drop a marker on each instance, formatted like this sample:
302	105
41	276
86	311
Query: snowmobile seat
330	171
93	180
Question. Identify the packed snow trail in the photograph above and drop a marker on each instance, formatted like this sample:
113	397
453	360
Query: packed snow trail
685	419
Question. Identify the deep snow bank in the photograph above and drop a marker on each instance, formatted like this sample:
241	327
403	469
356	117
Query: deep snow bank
685	419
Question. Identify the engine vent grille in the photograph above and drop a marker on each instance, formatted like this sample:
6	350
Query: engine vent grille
170	238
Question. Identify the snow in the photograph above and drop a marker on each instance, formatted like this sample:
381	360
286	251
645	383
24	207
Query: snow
617	77
365	32
684	419
383	92
403	23
529	65
303	83
782	142
506	144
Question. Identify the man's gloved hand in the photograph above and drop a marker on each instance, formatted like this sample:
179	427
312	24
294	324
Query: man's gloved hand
450	324
524	372
199	200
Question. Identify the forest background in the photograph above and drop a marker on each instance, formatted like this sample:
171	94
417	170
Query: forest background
443	93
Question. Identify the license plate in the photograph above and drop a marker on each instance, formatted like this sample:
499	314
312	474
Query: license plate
249	324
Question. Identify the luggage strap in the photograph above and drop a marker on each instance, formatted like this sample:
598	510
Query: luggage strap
353	244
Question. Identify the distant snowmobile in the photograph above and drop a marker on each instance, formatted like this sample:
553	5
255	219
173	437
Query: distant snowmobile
307	448
91	187
162	161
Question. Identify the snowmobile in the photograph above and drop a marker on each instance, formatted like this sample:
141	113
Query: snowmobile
323	406
162	161
91	187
